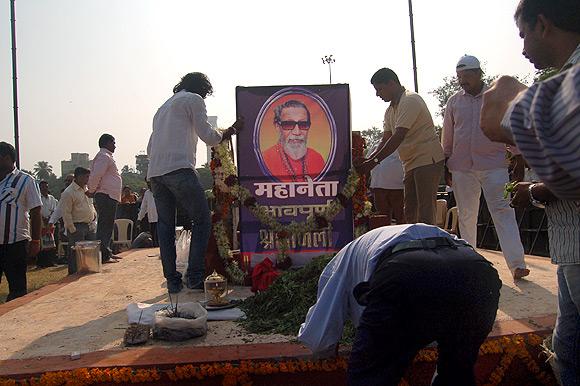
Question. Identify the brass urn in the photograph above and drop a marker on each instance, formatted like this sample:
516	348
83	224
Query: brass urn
216	289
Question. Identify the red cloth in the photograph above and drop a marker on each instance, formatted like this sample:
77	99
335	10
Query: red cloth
274	160
263	275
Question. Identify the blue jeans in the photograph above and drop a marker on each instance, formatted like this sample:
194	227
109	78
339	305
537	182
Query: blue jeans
566	338
183	187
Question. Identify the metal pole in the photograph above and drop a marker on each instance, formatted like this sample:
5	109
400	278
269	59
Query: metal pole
413	46
329	73
14	83
328	59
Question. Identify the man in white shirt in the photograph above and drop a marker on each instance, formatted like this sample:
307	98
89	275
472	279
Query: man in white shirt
403	287
177	125
46	256
149	209
20	221
78	214
473	162
388	188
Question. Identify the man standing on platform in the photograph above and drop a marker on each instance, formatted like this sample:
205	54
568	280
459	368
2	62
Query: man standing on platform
543	122
20	219
177	125
78	214
409	128
403	287
105	185
474	162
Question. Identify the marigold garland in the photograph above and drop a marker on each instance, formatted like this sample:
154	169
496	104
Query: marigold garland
239	373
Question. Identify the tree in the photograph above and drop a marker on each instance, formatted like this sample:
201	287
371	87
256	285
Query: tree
131	179
544	74
205	177
127	170
43	171
372	137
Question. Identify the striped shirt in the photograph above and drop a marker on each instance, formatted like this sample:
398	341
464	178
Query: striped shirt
545	122
18	194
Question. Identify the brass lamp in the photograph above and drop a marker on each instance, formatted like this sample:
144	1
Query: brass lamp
216	289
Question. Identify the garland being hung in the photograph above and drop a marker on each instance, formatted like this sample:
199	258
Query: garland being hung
229	190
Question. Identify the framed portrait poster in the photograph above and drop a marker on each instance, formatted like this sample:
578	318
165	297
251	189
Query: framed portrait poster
293	156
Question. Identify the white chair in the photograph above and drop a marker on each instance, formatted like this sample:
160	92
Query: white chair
123	232
441	212
451	220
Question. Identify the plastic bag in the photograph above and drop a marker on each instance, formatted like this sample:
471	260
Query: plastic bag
182	251
190	323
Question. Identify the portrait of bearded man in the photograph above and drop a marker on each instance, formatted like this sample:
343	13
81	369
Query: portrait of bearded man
290	159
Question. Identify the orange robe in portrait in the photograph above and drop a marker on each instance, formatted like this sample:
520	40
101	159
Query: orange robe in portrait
287	169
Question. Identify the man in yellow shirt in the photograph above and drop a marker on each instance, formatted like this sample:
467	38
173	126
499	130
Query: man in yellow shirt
408	127
78	213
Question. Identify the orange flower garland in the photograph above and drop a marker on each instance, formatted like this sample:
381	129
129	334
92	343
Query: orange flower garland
510	347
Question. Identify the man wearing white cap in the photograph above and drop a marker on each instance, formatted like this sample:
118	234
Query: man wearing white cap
474	162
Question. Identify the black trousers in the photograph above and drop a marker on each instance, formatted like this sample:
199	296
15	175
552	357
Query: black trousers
13	264
106	210
454	305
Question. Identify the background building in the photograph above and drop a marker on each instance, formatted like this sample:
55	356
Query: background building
76	160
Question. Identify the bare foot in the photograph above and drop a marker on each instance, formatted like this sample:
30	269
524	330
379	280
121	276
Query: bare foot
520	273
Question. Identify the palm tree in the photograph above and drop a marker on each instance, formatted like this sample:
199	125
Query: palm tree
42	170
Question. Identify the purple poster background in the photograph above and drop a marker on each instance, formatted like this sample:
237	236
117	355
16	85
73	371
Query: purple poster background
292	193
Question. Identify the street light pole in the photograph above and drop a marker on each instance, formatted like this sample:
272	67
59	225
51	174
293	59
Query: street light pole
328	59
413	46
14	83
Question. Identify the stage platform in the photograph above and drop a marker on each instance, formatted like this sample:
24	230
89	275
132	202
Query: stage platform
87	314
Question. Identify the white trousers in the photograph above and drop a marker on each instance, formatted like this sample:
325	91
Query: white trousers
467	186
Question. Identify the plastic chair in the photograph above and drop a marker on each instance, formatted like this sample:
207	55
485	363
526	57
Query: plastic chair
441	212
123	231
451	220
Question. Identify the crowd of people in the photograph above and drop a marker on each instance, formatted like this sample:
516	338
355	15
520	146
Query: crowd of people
406	286
403	286
86	211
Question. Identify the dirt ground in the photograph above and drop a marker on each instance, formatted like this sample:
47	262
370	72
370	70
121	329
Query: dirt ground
89	314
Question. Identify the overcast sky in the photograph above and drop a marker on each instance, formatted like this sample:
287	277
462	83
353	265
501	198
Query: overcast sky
94	66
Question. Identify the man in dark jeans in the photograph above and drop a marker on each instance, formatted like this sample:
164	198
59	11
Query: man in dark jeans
105	186
19	233
424	286
177	125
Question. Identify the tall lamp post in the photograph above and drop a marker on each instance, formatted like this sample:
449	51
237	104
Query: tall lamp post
413	46
328	59
14	83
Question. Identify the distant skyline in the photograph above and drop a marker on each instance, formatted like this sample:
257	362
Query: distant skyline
95	66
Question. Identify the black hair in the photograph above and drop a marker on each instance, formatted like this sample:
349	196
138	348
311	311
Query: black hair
42	182
195	82
80	171
105	139
287	104
7	149
384	75
565	14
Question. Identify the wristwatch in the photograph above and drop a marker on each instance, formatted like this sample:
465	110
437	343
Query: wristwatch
533	201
